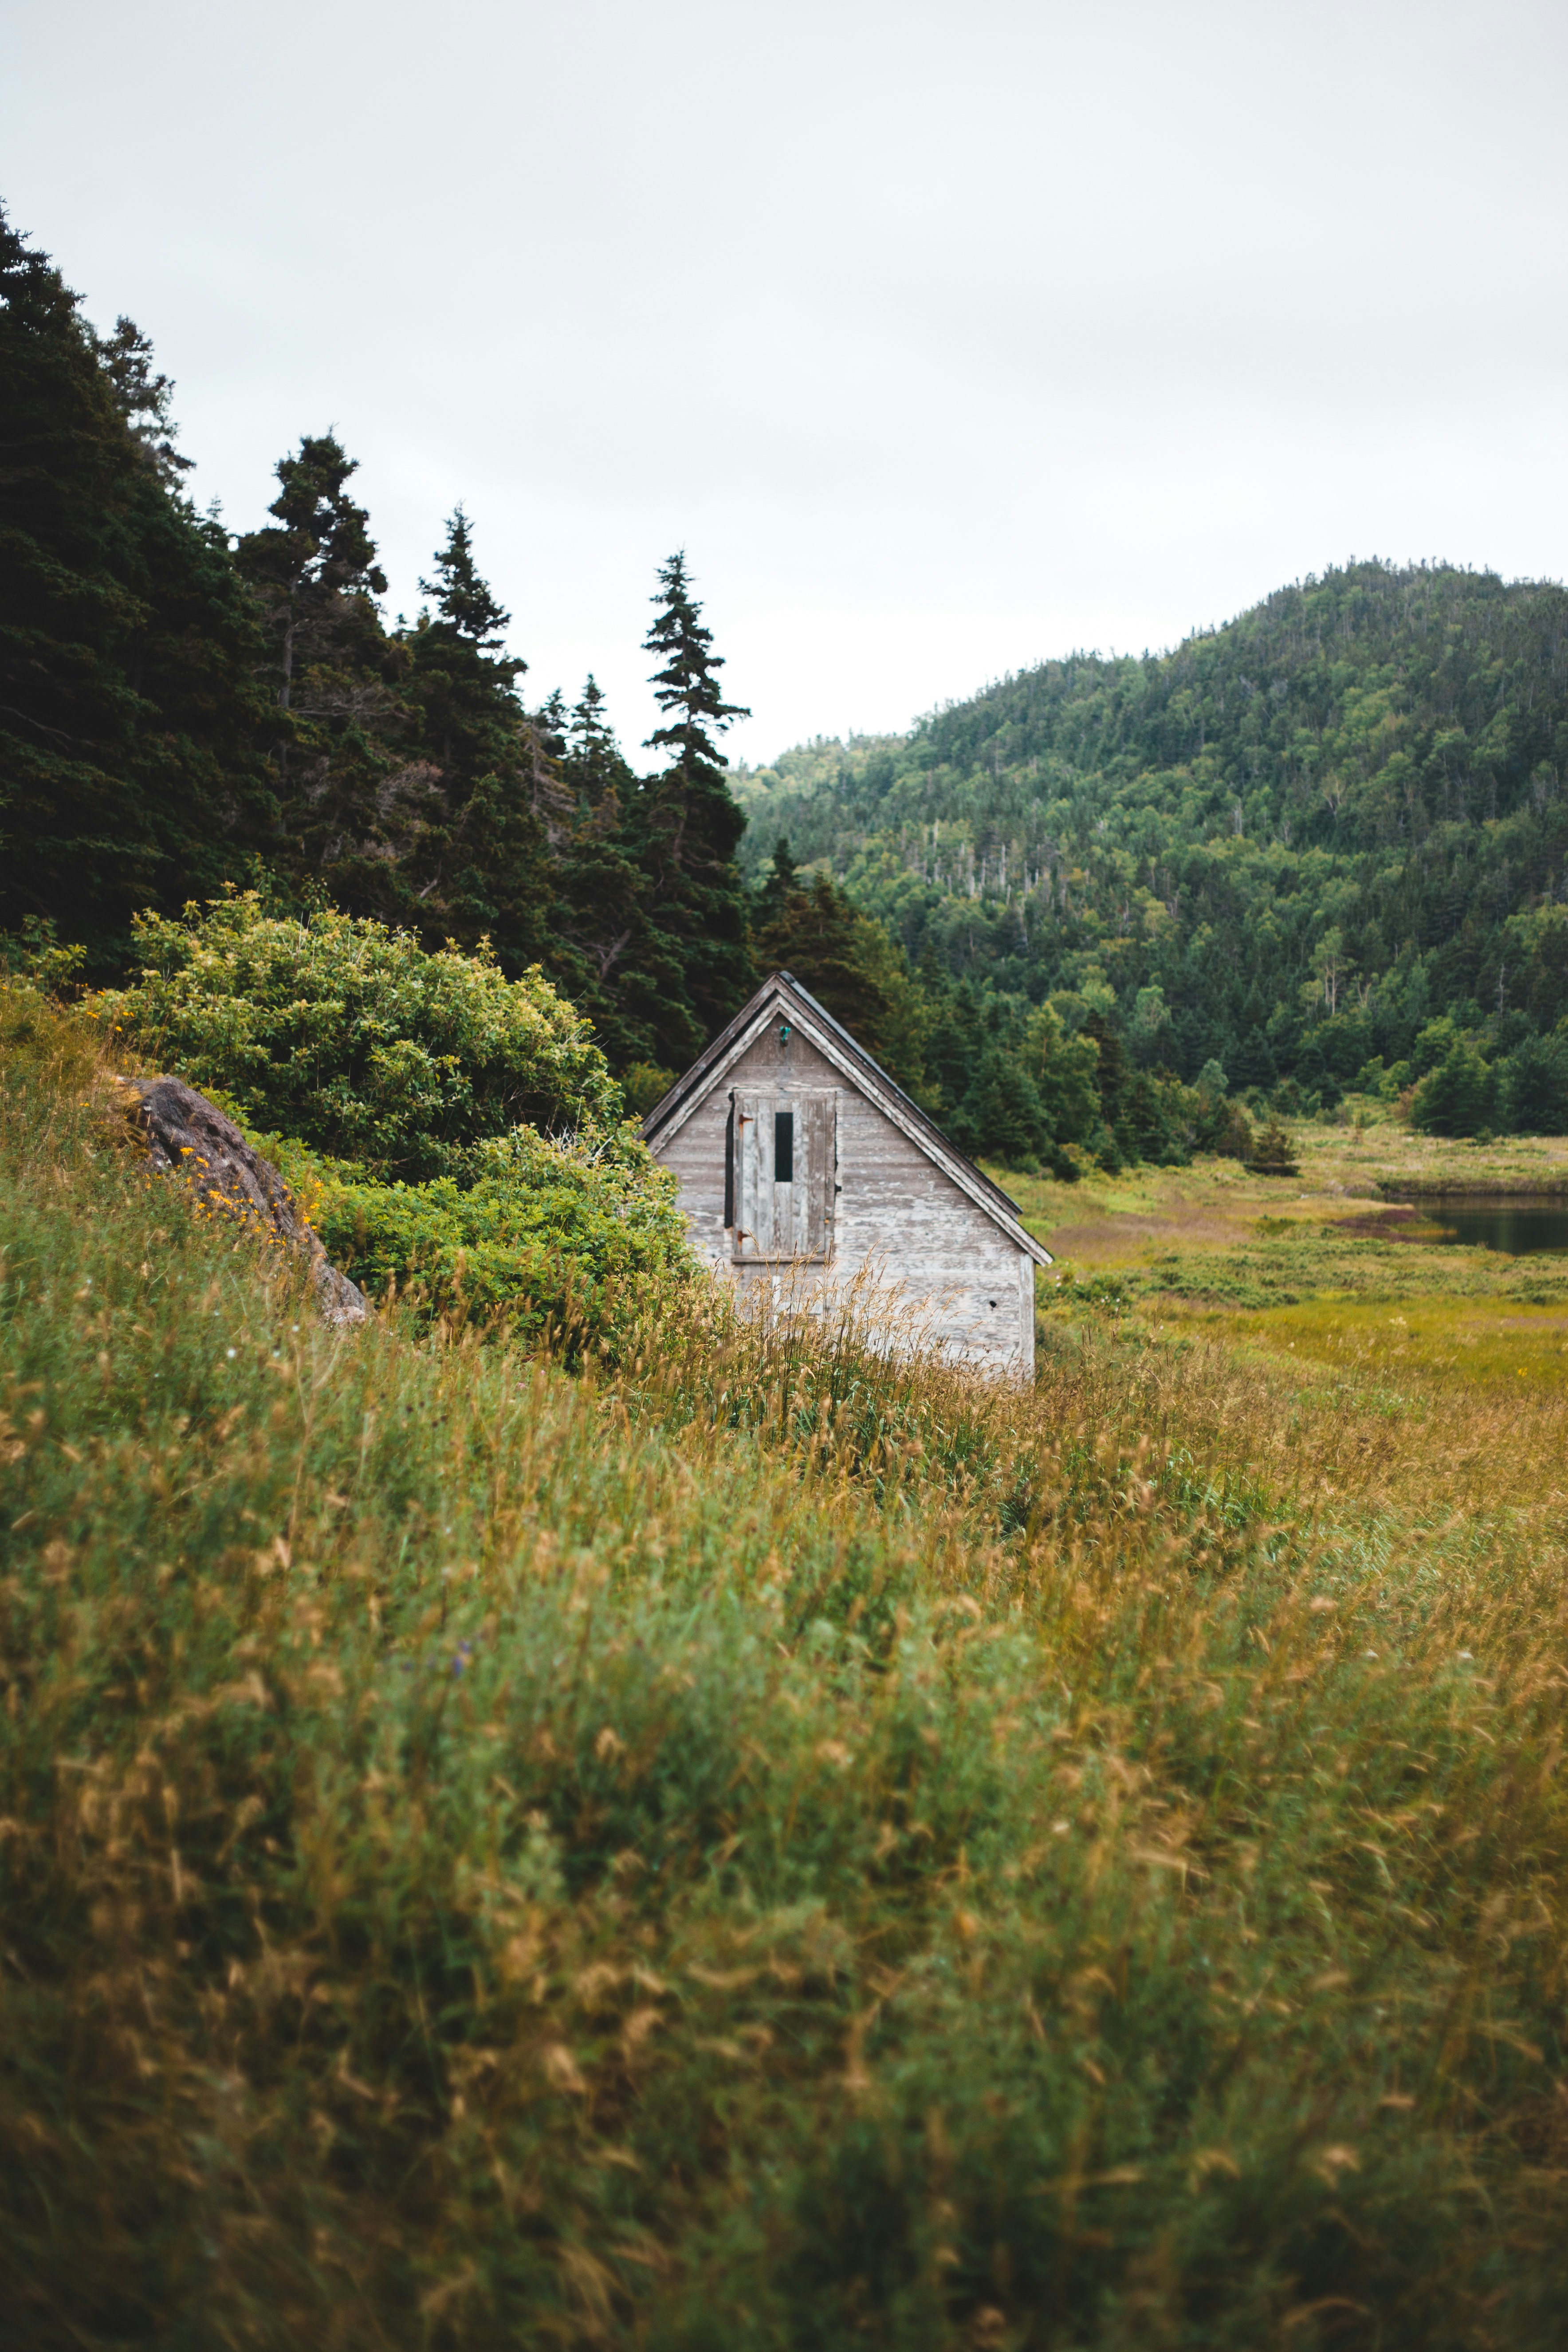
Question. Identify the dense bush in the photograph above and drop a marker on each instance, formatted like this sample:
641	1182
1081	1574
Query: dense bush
572	1238
352	1038
390	1086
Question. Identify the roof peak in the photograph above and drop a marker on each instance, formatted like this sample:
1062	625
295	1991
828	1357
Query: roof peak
707	1069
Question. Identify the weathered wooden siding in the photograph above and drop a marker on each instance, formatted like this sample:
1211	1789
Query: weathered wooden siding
901	1229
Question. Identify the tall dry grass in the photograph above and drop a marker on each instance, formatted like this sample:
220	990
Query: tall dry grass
771	1847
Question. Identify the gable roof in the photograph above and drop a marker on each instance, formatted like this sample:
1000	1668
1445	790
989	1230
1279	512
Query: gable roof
782	996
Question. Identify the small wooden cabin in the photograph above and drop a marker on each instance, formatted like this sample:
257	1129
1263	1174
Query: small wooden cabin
801	1162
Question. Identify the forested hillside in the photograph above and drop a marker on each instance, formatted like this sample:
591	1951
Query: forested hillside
1324	841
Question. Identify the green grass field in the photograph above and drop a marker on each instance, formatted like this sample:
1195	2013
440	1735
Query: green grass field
767	1848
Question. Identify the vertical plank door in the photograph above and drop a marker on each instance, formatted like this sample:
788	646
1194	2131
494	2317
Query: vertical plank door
783	1175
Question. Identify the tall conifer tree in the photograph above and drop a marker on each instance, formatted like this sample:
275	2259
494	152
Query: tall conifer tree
591	758
344	730
483	865
685	827
314	569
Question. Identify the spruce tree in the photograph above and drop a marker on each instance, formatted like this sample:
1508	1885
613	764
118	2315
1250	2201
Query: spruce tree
129	710
822	940
591	758
853	966
958	1039
145	399
465	606
550	723
483	865
684	829
1535	1090
1458	1097
780	880
352	797
314	570
1000	1116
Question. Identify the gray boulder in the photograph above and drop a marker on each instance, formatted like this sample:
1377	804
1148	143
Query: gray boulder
185	1135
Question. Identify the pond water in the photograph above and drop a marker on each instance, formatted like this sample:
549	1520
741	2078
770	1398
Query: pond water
1519	1227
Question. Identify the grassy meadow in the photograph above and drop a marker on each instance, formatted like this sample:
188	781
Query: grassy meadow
759	1847
1371	1361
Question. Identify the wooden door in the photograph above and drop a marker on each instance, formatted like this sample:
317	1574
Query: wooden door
784	1174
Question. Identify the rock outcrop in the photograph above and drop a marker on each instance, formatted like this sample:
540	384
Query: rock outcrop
188	1136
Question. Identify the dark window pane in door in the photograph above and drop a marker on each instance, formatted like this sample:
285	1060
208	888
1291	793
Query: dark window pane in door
784	1147
730	1165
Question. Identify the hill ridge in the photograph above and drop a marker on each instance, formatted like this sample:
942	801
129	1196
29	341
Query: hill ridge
1312	831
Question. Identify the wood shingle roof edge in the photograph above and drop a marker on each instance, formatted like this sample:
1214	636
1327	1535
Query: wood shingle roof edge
781	993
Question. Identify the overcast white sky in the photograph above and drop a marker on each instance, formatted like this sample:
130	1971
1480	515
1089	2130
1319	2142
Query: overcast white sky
945	335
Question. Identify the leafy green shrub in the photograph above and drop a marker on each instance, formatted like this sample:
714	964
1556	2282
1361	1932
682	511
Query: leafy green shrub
377	1075
351	1036
576	1237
